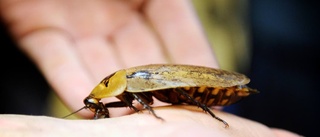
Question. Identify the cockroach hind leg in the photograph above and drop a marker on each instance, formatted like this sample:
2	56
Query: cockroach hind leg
160	118
207	109
226	125
203	106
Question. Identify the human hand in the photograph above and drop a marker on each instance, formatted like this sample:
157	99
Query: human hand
77	43
181	121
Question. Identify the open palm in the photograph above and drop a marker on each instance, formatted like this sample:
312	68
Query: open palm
76	43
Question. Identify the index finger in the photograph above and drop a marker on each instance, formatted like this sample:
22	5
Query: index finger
51	51
181	32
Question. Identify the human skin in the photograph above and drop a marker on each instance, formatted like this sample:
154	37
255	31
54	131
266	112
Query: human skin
76	43
184	121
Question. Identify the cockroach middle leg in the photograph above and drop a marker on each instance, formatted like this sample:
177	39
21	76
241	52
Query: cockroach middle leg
145	104
126	101
203	106
121	104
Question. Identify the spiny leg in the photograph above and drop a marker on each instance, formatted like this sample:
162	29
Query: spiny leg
145	104
96	115
126	100
98	111
121	104
101	110
203	106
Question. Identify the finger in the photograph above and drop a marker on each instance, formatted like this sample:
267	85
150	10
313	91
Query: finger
99	57
136	45
284	133
181	32
101	60
53	53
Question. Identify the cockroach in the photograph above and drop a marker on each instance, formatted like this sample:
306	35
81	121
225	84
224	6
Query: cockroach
176	84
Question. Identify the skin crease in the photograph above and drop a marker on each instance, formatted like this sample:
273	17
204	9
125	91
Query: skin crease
76	43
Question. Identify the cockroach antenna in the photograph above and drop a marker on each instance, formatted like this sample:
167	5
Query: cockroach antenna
74	112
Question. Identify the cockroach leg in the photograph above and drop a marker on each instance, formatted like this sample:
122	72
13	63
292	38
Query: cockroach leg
96	114
121	104
203	106
144	102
